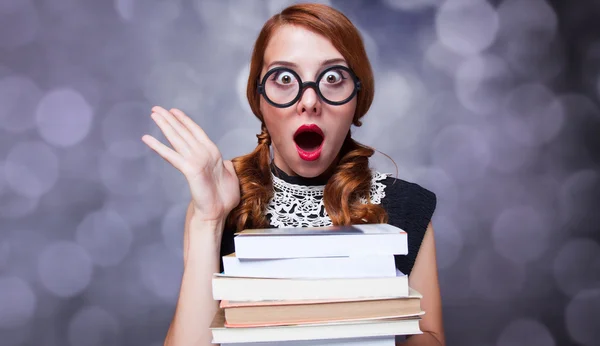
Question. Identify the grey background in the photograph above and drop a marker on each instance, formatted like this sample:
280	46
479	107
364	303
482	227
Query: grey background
492	105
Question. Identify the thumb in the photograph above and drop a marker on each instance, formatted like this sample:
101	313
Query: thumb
229	166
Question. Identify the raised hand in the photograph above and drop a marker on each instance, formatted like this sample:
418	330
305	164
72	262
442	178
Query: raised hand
213	183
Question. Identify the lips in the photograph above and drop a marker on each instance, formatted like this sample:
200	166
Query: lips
309	141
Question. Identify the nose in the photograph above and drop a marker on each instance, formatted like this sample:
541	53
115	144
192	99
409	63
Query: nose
309	103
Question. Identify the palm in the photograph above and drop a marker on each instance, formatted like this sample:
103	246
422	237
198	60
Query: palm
213	182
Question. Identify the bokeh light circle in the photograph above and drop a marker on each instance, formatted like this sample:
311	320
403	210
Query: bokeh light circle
19	97
525	332
466	26
93	326
577	266
582	315
65	268
521	233
64	117
105	236
18	302
31	169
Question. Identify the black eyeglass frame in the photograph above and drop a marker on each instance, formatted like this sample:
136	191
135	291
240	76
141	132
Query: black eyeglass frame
304	85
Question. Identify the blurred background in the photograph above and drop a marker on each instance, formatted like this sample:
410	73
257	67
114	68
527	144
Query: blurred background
493	105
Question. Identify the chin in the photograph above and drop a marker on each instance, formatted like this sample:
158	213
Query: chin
311	169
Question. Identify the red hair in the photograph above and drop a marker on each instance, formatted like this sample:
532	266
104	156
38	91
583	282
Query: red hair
351	179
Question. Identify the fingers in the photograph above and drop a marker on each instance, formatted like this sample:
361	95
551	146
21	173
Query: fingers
196	130
165	152
179	127
177	142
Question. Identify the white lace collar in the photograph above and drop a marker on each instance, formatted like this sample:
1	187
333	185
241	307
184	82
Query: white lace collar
296	205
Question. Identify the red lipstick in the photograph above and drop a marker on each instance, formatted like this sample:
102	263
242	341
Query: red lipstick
309	142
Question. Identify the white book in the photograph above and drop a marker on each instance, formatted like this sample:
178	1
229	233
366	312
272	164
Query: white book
372	341
325	331
259	289
332	241
312	267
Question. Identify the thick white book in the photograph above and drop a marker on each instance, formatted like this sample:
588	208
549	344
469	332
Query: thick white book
372	341
311	267
325	331
332	241
259	289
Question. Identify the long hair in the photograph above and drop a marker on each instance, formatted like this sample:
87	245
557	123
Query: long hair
351	179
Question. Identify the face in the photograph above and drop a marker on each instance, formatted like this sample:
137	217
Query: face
308	135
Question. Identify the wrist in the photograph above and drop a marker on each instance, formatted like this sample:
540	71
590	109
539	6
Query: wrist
203	222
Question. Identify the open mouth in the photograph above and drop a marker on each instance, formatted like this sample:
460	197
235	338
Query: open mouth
309	137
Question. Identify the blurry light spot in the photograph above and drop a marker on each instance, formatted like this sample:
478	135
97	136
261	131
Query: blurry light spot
525	332
396	94
482	82
64	117
241	84
244	20
105	236
276	6
127	176
4	255
2	178
148	11
449	242
532	109
129	299
65	268
176	84
466	26
582	315
495	278
509	156
532	20
123	126
172	228
23	248
577	197
371	46
80	79
442	58
161	271
18	302
138	210
461	151
237	141
93	326
520	234
439	181
125	8
31	169
577	266
529	28
412	5
19	97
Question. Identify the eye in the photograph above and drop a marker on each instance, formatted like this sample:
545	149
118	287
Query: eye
284	77
333	77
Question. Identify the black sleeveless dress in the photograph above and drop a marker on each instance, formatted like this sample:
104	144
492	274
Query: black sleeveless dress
297	201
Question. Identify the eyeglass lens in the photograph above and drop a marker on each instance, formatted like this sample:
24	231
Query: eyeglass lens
283	86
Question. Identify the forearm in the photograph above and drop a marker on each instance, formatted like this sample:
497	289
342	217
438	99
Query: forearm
195	306
425	339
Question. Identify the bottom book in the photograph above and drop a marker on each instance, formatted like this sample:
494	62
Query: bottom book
305	332
373	341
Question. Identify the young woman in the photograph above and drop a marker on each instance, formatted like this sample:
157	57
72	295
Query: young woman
310	80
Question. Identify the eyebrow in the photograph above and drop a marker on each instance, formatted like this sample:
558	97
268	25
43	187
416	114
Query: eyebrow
291	64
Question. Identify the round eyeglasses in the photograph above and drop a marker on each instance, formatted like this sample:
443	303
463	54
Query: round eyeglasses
282	87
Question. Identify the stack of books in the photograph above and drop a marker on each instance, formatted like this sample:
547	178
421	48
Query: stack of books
315	286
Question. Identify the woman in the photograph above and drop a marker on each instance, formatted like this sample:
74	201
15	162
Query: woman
310	80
